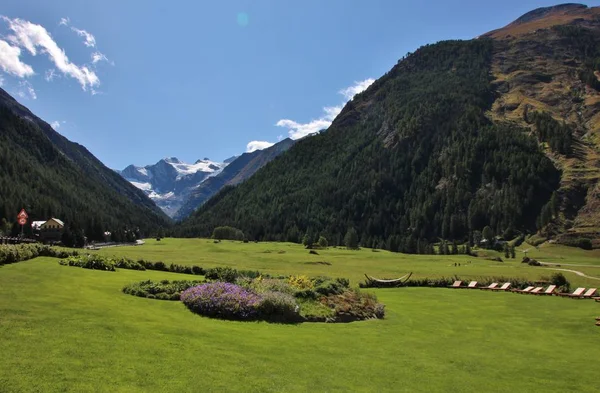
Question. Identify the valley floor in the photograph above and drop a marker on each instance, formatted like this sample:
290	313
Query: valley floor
70	329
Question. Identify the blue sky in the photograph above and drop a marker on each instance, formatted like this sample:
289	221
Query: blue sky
135	81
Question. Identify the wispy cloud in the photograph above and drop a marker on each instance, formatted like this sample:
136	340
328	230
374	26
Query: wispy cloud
97	57
10	61
50	74
358	87
26	90
88	39
64	21
297	130
56	124
31	36
257	145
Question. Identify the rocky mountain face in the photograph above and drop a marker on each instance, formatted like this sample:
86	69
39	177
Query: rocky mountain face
170	182
547	62
500	131
50	176
238	170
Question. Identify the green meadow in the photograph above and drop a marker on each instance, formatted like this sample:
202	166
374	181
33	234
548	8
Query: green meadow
66	329
289	258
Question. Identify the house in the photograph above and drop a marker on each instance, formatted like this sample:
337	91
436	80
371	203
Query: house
51	230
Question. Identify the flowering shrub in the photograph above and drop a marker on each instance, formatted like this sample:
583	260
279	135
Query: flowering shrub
301	282
354	304
222	300
277	305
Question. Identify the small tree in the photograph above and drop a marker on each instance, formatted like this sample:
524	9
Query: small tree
306	240
506	251
351	239
512	252
323	242
488	234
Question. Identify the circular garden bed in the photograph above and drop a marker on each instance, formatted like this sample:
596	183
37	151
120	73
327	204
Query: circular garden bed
285	299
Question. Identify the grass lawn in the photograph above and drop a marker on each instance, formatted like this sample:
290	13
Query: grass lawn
71	329
289	258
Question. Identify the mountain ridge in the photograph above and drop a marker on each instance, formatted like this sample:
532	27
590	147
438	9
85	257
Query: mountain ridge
406	124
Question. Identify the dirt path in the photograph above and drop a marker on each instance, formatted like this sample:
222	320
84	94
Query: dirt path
576	272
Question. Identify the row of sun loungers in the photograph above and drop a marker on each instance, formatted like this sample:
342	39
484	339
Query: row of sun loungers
579	293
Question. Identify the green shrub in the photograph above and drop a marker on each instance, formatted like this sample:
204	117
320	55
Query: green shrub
163	290
581	242
227	233
224	274
278	306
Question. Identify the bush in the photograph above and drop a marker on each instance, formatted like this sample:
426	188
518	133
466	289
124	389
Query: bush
227	233
354	304
581	242
225	274
222	300
94	262
278	306
22	252
560	280
301	282
533	262
163	290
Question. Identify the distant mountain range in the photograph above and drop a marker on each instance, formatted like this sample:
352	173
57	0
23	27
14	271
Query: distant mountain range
169	182
179	188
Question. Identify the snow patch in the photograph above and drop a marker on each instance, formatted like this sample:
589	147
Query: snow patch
141	186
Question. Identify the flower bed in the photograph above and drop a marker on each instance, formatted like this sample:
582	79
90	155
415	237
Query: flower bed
293	299
222	300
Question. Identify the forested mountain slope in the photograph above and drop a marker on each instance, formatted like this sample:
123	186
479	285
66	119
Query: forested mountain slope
411	159
502	131
50	176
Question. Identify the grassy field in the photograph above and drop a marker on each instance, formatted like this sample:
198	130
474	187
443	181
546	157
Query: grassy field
288	258
70	329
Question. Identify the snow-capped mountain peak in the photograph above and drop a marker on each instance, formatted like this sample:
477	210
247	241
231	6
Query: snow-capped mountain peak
169	181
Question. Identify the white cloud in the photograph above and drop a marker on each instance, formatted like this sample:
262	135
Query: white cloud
26	90
89	39
10	61
300	130
30	36
50	74
257	145
358	87
64	21
55	124
97	57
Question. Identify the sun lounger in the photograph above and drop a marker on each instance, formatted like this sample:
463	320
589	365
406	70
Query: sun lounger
536	291
588	295
491	286
526	290
504	287
472	285
456	284
576	293
549	291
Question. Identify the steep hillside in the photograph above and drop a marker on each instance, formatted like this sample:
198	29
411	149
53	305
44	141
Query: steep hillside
48	175
236	172
547	62
412	159
170	182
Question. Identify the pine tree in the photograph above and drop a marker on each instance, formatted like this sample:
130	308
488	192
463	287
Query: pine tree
351	239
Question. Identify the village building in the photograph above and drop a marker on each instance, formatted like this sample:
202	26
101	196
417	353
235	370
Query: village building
48	231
